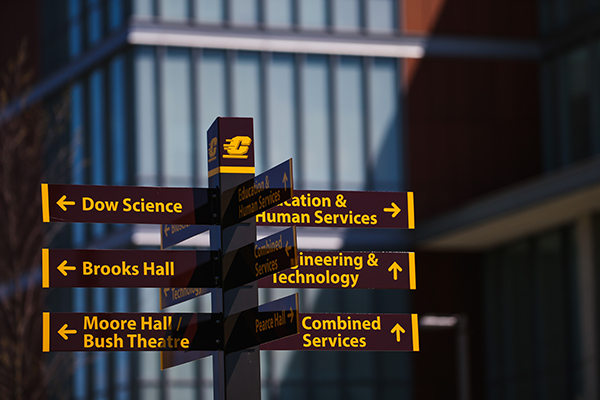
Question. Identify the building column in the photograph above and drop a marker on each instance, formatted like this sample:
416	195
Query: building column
587	306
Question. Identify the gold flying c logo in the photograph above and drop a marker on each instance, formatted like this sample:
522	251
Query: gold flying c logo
237	147
212	149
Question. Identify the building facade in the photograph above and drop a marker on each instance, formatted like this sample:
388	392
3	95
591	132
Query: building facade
486	110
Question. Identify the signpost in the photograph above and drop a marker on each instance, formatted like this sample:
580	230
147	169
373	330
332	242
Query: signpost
130	331
348	270
127	204
346	209
352	332
129	268
238	327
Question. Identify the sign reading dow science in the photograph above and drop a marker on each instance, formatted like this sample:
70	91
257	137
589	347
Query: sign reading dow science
346	209
126	204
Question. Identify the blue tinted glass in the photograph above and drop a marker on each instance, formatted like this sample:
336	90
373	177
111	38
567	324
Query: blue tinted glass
209	11
173	9
177	118
281	98
278	13
94	21
246	98
115	14
145	115
313	14
118	122
212	95
75	34
97	137
244	12
78	152
381	16
315	141
143	8
385	152
350	160
346	15
100	304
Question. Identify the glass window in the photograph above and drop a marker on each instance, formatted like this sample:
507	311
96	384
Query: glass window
349	111
115	14
118	122
175	10
96	103
385	151
313	14
278	13
579	103
381	16
75	32
247	98
281	98
315	165
94	21
209	11
145	115
212	100
100	367
177	118
78	153
346	15
80	382
550	129
143	8
244	12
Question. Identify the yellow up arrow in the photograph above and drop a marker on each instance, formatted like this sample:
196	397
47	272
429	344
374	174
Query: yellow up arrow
63	268
397	329
396	268
64	332
285	179
394	209
63	202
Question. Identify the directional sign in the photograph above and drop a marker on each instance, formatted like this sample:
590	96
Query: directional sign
169	296
256	195
347	270
260	259
130	332
127	204
352	332
128	268
170	235
262	324
348	209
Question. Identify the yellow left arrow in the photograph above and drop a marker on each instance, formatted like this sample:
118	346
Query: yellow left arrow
64	331
63	202
63	268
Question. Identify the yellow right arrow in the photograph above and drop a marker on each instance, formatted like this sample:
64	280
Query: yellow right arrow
63	202
394	209
64	331
396	268
397	329
63	268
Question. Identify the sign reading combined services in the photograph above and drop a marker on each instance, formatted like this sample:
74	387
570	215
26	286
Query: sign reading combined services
127	204
352	332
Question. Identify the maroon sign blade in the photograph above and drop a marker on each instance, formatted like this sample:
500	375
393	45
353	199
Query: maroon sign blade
348	209
128	268
352	332
130	331
126	204
347	270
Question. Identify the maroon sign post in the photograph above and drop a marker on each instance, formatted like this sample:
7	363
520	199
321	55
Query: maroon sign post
127	204
129	268
352	332
346	209
130	331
